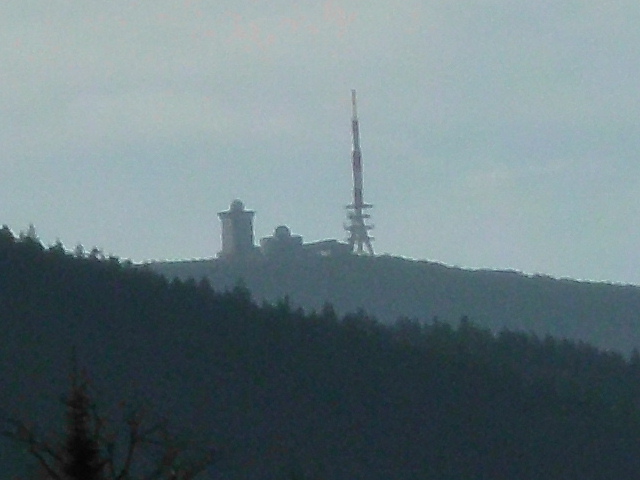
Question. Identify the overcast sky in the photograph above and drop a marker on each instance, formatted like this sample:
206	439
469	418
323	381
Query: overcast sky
495	134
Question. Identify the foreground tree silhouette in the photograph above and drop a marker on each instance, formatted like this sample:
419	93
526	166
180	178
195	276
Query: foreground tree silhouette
90	450
81	450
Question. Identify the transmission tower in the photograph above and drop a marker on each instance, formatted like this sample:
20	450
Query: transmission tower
358	230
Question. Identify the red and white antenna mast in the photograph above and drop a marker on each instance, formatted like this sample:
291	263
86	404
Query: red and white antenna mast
358	231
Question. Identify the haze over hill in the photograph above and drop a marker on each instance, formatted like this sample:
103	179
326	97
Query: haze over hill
495	134
603	314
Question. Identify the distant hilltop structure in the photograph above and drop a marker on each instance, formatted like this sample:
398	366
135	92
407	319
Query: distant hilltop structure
237	223
238	239
237	231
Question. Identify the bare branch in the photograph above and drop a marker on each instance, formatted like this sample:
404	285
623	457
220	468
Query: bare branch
151	451
45	447
38	448
110	458
134	439
43	462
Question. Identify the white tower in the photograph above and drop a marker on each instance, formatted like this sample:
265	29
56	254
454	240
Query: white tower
237	231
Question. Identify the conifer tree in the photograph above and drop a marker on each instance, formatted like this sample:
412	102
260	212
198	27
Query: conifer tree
81	460
6	235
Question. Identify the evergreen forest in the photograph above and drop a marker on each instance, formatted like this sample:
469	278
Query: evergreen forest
284	393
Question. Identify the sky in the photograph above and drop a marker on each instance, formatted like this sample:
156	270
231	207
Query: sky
498	134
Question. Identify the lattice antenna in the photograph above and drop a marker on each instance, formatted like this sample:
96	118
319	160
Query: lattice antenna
358	230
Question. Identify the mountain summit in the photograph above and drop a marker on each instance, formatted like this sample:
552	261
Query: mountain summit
602	314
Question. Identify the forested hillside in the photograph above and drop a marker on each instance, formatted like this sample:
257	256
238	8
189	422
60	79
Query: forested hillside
327	396
389	287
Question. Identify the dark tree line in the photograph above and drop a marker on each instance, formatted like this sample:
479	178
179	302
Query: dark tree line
323	395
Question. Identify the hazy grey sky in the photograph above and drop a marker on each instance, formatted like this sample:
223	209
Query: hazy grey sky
495	133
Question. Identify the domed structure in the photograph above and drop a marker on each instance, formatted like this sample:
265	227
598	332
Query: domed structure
282	232
236	206
281	243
